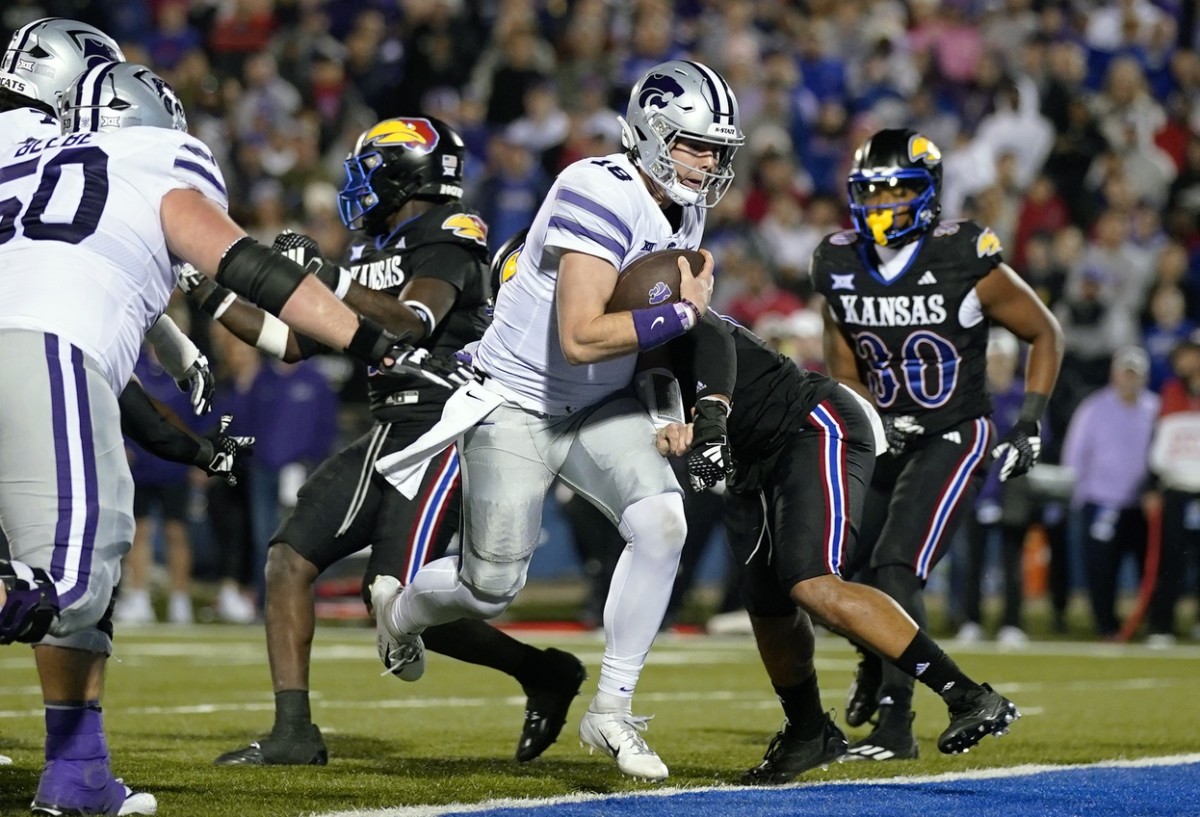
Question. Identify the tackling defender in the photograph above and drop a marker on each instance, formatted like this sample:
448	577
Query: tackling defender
561	368
909	301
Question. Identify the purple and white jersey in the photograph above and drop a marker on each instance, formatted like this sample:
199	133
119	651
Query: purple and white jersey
600	207
82	250
22	124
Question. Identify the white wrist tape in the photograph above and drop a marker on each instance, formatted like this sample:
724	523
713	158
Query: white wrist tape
273	336
224	305
425	314
343	284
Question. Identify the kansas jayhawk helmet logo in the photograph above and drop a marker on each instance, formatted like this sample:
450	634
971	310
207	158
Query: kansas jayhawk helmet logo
921	149
465	225
414	133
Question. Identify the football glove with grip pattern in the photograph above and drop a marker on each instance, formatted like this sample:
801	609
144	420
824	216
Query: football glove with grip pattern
1019	449
899	430
30	605
220	452
305	251
709	461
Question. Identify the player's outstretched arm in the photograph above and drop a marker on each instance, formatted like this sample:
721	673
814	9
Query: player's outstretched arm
246	321
200	232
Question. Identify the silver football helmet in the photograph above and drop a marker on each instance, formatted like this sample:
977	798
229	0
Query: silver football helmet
45	55
682	99
114	95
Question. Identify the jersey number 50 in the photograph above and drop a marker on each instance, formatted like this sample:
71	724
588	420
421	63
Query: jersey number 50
927	364
93	164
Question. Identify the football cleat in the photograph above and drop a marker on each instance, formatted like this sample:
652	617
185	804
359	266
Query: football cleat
862	699
789	756
402	654
984	712
5	760
290	750
891	739
69	788
619	734
546	707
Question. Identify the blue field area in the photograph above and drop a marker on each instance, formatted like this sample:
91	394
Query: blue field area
1105	791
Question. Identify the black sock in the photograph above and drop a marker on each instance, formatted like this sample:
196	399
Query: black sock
292	712
924	660
477	642
802	707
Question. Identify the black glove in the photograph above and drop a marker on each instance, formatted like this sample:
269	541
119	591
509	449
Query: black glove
221	453
709	461
900	430
30	606
199	380
1019	449
305	251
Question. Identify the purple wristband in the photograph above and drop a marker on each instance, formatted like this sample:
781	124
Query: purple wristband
658	324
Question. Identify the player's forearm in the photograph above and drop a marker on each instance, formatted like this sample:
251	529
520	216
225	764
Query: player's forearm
387	311
149	425
1045	360
246	321
175	351
603	338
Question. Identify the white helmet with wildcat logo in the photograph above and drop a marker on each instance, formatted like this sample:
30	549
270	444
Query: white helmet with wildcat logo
113	95
683	99
44	56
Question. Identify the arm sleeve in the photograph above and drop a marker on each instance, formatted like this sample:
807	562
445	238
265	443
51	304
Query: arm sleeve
150	429
716	357
175	351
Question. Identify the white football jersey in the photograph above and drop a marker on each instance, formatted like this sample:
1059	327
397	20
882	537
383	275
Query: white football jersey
600	207
82	250
22	124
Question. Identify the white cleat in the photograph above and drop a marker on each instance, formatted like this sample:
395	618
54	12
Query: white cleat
138	802
5	760
403	654
619	734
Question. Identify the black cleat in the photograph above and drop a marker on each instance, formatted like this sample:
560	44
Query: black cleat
891	739
546	707
862	699
788	756
291	750
983	713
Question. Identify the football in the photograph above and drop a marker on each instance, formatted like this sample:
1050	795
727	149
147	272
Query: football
651	280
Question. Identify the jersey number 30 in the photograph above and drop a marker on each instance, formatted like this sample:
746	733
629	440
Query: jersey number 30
928	365
93	163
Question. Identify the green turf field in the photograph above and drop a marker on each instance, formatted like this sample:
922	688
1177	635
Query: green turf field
178	698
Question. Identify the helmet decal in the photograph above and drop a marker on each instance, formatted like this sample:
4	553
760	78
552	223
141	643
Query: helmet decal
919	147
413	133
465	225
660	90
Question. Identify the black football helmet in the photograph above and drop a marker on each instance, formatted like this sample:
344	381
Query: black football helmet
397	160
895	159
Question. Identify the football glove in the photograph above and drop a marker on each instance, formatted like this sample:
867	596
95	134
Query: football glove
304	251
709	461
30	606
900	430
1019	449
447	372
223	453
199	381
190	278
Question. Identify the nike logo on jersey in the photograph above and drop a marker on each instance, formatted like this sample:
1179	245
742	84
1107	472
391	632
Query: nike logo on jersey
894	310
384	274
927	278
656	322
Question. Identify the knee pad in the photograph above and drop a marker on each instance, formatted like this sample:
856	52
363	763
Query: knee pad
657	522
98	639
492	584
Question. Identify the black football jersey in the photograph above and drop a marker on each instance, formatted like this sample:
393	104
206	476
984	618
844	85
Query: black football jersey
771	394
448	242
921	339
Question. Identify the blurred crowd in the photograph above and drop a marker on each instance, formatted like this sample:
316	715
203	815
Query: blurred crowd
1071	127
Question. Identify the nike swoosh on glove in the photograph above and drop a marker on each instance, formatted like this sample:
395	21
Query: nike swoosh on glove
900	430
710	460
1019	449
